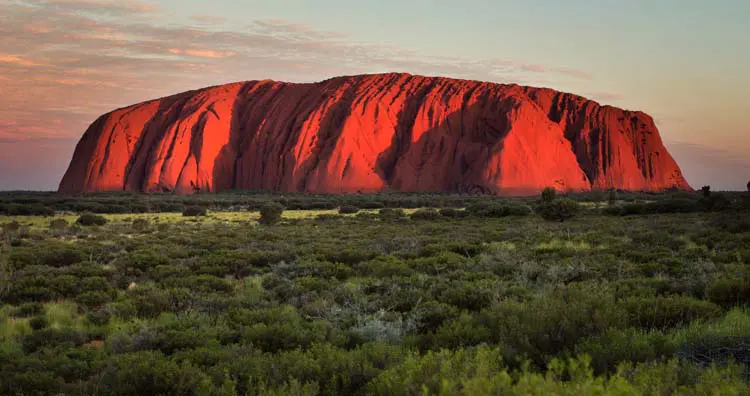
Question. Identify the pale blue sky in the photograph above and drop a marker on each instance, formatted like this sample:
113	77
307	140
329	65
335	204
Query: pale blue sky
687	63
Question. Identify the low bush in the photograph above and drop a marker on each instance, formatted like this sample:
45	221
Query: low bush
140	225
58	224
729	293
90	219
450	212
559	210
38	322
668	312
391	214
498	209
194	210
425	214
348	209
28	309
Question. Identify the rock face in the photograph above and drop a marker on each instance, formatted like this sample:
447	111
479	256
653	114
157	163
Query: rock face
372	133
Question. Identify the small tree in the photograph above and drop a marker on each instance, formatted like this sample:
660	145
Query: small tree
706	191
748	186
549	194
612	197
559	210
270	213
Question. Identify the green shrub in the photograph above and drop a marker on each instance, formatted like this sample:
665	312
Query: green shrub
549	194
28	309
391	214
615	346
729	293
98	317
451	212
668	312
140	225
348	209
58	224
51	337
150	373
90	219
93	299
194	210
38	322
559	210
371	205
270	213
11	227
425	214
498	209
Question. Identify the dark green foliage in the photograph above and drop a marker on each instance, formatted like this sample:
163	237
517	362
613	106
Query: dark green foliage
28	309
52	338
559	210
90	219
714	203
498	209
140	225
608	349
98	317
38	322
58	224
668	312
730	292
425	214
706	190
670	205
549	194
194	210
11	227
391	214
452	213
348	209
270	213
150	373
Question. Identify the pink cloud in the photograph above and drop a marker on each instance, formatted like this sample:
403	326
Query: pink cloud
17	60
201	53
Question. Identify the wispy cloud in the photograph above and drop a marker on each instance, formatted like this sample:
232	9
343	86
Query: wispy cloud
605	97
208	19
17	60
109	7
198	53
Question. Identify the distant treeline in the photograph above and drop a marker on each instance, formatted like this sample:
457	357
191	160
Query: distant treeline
625	203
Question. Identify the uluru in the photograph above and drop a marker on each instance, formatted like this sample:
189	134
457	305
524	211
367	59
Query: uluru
372	133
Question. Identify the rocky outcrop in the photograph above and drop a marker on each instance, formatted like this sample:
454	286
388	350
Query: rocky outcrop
372	133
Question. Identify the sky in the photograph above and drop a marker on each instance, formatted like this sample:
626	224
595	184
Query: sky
685	62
